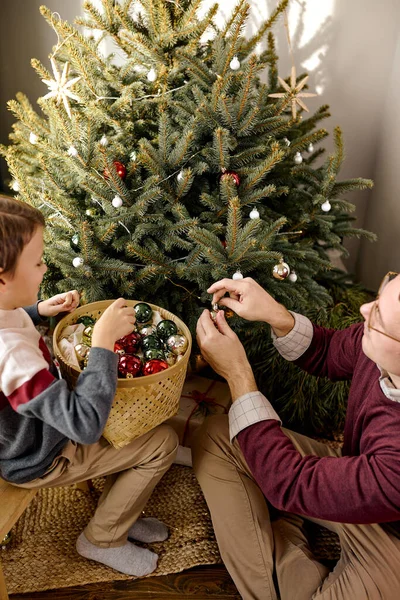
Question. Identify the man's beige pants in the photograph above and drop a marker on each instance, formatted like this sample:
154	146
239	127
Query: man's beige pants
132	472
263	556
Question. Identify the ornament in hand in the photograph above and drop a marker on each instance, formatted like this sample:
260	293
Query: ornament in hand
143	312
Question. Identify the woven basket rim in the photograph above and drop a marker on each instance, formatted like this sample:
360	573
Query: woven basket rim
122	382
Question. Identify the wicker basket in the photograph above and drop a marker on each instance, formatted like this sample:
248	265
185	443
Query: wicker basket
140	404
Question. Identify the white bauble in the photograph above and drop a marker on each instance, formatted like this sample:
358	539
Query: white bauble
72	151
235	63
152	75
298	159
254	214
104	140
117	202
326	206
236	276
77	262
33	138
293	277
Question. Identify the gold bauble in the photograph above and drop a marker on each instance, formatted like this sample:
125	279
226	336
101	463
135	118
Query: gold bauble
170	358
87	335
281	271
82	353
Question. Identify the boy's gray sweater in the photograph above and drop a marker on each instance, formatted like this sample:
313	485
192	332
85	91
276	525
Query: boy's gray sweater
38	413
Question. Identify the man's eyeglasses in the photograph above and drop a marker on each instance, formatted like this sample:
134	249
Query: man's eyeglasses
388	277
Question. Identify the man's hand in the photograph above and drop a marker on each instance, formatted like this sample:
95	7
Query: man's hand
250	301
116	321
66	302
224	352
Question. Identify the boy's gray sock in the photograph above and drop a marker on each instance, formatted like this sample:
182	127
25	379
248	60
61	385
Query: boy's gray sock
128	559
148	530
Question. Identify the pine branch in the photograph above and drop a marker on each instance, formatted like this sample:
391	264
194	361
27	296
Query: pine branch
262	170
253	41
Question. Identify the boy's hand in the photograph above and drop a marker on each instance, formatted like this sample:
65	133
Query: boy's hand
250	301
116	321
66	302
224	352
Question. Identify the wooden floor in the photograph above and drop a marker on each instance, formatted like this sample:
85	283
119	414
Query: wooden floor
200	583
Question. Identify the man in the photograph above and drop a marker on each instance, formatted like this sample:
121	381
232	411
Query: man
243	459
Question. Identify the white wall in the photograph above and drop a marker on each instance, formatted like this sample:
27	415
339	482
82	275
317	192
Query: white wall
349	49
383	215
24	34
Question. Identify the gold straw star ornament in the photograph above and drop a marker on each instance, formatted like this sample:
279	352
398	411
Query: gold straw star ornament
295	92
59	86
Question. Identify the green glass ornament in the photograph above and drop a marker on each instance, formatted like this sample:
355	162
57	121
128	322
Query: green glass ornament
154	353
74	242
151	342
87	335
143	312
86	320
166	328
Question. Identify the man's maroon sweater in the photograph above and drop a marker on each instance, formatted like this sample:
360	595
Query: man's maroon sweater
362	486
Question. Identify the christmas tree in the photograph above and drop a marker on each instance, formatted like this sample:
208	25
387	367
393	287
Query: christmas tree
182	165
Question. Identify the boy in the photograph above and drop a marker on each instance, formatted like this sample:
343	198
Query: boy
354	492
50	436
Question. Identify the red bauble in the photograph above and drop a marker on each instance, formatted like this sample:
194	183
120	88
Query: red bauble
223	242
119	167
129	343
155	365
233	175
129	366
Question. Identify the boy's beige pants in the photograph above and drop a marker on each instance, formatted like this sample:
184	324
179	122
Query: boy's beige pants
263	556
132	473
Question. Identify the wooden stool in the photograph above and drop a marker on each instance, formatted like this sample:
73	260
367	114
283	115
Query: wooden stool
13	502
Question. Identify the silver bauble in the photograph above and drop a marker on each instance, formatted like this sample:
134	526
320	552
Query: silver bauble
147	329
177	344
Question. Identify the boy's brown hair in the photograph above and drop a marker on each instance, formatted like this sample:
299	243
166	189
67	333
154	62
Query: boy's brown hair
18	223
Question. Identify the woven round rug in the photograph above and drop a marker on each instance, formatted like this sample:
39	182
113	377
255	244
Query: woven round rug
42	553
